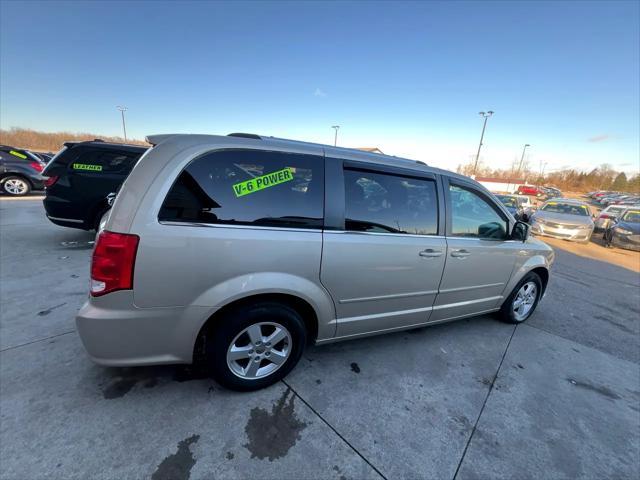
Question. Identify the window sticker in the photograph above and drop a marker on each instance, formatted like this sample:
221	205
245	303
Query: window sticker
18	154
83	166
265	181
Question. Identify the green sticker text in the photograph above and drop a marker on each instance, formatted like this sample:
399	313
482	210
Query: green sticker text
265	181
18	154
83	166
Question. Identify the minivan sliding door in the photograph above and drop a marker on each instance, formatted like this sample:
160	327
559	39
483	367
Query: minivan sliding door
382	256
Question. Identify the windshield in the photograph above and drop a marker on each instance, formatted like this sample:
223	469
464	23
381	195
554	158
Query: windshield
566	208
508	201
632	216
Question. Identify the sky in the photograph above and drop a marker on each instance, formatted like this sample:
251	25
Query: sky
406	77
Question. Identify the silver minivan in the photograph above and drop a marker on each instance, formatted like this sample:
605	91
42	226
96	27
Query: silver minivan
238	251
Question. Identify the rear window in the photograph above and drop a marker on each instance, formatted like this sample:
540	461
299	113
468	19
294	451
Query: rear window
104	161
249	187
511	202
615	209
87	159
389	203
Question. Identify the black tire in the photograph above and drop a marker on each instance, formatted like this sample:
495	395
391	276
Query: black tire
506	313
229	326
8	184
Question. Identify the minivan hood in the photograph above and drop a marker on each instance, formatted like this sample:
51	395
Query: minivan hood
563	218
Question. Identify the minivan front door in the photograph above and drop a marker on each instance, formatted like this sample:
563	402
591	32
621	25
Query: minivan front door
384	265
480	257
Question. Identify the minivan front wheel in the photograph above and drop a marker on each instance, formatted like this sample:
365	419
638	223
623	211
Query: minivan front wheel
254	346
523	300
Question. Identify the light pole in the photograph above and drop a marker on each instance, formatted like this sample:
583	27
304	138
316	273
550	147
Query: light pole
522	158
486	116
542	166
335	137
124	128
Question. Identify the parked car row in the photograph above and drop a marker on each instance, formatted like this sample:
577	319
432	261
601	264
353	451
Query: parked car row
570	219
605	198
539	192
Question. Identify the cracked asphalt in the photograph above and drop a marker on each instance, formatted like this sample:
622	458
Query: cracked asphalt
557	397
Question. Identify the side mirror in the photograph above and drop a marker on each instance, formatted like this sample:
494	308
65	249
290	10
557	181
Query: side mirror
520	231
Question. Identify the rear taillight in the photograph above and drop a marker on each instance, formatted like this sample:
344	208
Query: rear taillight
113	261
49	181
37	166
604	215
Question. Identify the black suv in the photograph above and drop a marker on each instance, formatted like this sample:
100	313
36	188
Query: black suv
20	171
81	176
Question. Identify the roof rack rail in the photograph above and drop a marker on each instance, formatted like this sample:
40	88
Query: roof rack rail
97	140
245	135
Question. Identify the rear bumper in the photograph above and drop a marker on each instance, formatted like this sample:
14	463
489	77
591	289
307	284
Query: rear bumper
58	213
37	182
116	333
577	235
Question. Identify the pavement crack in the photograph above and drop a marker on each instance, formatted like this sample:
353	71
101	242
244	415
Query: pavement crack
484	404
355	450
13	347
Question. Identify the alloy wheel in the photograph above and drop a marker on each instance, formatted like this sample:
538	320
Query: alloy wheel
259	350
524	301
15	186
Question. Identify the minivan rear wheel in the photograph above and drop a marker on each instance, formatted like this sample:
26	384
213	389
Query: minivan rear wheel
254	346
523	300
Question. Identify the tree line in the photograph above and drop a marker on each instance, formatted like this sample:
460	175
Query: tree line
52	142
604	177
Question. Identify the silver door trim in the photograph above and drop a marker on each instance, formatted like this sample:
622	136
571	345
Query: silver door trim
402	235
468	302
473	287
72	220
386	297
402	328
395	313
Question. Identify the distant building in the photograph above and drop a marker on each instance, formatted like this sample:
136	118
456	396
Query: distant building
370	149
501	185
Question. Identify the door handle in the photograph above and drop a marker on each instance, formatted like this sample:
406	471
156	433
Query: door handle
462	253
430	253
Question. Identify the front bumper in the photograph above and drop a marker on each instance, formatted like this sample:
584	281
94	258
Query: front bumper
116	333
572	234
628	242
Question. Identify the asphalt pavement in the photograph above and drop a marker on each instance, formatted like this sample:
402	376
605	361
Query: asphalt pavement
557	397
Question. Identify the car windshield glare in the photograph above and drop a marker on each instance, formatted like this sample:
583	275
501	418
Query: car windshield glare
566	208
631	216
508	201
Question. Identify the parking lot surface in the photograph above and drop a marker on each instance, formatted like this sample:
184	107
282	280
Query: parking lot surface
557	397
